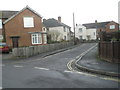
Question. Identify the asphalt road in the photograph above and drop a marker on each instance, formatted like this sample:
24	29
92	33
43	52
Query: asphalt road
51	72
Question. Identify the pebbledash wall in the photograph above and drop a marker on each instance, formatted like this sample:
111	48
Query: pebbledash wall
34	50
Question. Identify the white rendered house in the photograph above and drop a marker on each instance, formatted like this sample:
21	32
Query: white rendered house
57	30
84	33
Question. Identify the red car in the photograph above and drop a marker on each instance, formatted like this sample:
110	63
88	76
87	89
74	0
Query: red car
4	48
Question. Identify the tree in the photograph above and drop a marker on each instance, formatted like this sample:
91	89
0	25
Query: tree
54	35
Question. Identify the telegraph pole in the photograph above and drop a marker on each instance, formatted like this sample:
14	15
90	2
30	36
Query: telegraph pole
74	27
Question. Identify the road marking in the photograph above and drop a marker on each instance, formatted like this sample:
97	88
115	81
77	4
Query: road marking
69	71
69	65
74	72
18	66
111	79
41	68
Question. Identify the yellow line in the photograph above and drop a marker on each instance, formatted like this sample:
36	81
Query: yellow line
107	78
112	79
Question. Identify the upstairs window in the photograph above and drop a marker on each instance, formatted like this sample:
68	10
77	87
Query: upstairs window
112	26
28	22
94	33
0	23
80	29
64	29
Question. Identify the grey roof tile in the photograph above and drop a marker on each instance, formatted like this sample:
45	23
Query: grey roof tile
7	14
53	23
94	25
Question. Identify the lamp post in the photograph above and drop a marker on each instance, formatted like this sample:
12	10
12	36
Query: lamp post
74	27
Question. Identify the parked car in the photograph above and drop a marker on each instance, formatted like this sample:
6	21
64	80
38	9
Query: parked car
4	48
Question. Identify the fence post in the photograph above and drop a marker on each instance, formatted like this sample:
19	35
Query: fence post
112	50
99	49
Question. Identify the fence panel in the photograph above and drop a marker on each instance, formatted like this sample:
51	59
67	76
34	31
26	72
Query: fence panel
34	50
109	51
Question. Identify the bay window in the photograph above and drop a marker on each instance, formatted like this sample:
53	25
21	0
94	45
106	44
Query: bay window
45	38
0	23
36	39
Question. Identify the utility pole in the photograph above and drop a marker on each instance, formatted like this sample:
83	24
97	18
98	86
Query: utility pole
74	27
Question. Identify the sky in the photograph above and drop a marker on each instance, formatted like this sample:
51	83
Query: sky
86	11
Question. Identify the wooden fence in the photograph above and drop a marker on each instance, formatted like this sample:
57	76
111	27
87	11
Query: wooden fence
110	51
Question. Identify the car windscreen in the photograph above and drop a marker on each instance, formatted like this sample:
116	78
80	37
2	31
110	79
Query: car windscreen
2	44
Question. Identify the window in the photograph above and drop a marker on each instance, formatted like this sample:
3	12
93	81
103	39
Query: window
112	26
28	22
64	29
0	23
44	29
36	39
80	37
94	33
80	29
64	37
1	37
45	38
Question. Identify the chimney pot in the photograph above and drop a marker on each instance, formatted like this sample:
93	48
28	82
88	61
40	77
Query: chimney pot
44	20
95	21
59	19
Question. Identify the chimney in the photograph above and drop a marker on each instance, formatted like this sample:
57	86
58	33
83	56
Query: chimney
59	19
95	21
44	20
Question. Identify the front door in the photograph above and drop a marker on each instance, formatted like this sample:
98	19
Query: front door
15	42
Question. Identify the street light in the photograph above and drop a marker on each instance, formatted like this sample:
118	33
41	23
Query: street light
74	27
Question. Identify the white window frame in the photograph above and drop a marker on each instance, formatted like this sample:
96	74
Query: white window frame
44	29
80	30
45	38
28	22
36	38
112	26
0	23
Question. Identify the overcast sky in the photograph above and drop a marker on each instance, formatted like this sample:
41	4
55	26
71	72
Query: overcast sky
86	11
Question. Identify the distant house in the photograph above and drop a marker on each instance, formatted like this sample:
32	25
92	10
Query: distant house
57	30
85	32
90	31
22	28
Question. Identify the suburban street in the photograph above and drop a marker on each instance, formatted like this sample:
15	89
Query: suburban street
52	72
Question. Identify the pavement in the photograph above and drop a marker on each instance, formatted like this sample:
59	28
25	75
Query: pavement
91	63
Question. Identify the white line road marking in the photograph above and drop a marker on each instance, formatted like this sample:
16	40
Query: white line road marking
68	71
74	72
18	66
41	68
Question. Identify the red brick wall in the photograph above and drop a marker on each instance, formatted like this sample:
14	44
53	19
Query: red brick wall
112	30
15	27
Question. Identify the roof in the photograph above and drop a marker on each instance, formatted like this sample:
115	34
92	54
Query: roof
96	25
12	14
53	23
7	14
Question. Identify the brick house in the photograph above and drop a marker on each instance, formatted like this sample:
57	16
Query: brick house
110	26
23	28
